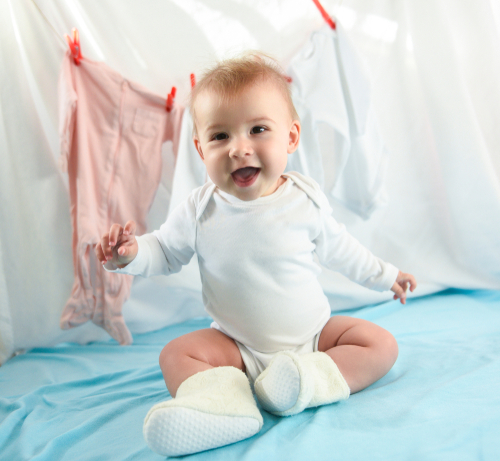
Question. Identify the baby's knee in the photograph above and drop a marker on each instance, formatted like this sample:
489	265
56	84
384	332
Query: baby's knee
389	347
170	354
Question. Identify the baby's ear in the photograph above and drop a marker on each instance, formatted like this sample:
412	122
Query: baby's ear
197	144
294	137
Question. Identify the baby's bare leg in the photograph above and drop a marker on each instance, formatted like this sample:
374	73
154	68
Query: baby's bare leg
197	351
363	351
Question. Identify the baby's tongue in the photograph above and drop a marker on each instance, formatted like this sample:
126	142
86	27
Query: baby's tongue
243	174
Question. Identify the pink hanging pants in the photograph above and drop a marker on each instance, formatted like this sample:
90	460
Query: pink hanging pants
112	131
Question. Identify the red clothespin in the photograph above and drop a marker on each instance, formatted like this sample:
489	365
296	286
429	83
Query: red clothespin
74	46
170	99
325	15
193	80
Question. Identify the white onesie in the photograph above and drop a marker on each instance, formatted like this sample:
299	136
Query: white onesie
332	94
256	260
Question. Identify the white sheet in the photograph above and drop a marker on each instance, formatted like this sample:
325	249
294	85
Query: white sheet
435	69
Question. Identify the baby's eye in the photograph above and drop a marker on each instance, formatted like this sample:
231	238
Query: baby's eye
258	129
220	136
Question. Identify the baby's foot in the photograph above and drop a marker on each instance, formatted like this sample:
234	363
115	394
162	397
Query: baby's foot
212	408
177	431
292	383
278	386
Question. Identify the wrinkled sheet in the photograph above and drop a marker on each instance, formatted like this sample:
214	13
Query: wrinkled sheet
440	401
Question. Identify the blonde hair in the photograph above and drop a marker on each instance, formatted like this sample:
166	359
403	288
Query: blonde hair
229	77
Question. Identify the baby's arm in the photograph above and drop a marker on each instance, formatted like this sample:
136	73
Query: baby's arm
340	251
161	252
118	246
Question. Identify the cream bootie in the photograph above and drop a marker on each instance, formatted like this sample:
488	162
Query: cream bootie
292	383
211	408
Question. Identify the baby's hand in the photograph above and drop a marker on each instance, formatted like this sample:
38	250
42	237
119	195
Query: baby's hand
119	246
401	285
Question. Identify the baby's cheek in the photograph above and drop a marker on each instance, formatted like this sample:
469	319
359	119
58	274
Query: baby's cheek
215	173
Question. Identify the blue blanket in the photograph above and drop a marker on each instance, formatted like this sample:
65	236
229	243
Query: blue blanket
441	400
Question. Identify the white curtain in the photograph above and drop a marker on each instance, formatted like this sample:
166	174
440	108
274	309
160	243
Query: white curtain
434	66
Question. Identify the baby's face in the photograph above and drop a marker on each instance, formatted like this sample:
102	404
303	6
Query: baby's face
245	142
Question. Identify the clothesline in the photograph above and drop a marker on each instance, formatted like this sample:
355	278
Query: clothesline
323	12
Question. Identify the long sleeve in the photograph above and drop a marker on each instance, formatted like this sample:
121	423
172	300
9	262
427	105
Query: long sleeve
165	251
340	251
67	100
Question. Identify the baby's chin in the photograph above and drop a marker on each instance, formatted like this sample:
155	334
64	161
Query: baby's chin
245	194
249	195
252	192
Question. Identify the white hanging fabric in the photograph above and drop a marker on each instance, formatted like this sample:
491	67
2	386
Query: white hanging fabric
434	89
333	93
190	171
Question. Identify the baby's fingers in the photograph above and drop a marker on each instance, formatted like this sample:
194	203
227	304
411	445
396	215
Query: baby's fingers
399	292
114	234
99	253
129	228
106	248
408	279
413	282
123	251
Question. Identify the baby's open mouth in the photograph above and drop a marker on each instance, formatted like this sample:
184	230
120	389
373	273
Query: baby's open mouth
245	177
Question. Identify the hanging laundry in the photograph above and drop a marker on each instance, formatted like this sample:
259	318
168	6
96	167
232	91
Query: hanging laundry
112	131
307	158
333	94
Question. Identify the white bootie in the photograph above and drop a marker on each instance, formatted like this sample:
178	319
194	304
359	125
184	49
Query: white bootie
292	383
211	408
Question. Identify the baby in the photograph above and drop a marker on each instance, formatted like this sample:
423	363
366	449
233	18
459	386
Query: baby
255	231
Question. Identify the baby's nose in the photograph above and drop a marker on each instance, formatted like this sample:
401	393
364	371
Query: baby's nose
240	147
